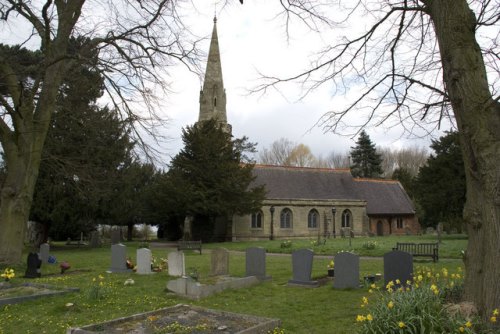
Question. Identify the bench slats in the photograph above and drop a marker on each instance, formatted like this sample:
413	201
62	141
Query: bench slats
189	245
420	249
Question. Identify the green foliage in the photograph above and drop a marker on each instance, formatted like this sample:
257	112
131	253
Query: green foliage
286	244
369	245
414	307
366	162
440	185
207	178
85	153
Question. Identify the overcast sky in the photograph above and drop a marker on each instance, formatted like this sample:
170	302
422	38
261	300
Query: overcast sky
253	40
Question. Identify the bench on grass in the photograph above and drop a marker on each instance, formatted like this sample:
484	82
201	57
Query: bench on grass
430	249
189	245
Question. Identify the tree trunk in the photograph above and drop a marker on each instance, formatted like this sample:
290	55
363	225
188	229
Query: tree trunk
16	197
478	119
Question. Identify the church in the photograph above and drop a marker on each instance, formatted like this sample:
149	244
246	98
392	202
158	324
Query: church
308	202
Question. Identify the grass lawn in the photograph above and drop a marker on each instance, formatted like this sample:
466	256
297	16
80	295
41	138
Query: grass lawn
302	310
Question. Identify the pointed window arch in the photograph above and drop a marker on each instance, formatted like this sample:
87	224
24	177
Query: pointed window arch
312	219
257	220
346	218
286	218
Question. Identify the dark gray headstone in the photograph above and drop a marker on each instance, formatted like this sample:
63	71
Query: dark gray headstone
256	262
44	252
398	265
346	271
95	239
118	259
115	237
220	262
34	264
302	262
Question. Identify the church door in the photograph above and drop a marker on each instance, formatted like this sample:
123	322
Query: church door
380	228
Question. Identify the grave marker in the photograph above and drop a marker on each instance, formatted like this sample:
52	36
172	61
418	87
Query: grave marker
176	264
44	252
119	259
256	262
144	261
34	264
346	271
398	265
220	262
302	261
115	237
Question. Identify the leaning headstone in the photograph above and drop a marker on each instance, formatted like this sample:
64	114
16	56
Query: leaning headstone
220	262
115	237
144	261
398	265
302	262
34	264
118	259
44	252
176	264
256	262
95	239
346	271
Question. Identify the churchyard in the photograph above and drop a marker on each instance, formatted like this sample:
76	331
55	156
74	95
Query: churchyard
285	294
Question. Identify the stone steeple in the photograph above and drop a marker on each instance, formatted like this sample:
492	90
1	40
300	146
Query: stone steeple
213	94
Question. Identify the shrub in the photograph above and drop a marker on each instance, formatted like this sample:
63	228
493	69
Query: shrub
413	307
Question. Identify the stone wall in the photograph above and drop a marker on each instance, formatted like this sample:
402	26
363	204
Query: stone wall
242	230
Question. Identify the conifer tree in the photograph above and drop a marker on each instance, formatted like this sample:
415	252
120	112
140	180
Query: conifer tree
366	162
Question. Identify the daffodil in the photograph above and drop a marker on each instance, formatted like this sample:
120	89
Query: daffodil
495	311
493	319
369	317
401	324
468	324
390	305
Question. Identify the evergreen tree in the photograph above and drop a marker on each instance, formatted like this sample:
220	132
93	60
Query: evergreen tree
208	180
85	148
366	162
440	185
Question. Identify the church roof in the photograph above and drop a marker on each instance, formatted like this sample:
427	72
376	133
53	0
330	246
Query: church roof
288	183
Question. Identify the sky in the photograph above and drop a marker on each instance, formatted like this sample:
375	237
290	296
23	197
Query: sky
252	41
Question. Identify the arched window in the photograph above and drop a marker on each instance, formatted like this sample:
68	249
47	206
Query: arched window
312	219
346	218
286	218
257	220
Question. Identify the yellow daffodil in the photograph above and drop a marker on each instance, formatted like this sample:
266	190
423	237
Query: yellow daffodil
360	318
493	319
461	329
401	324
365	300
468	324
495	311
369	317
390	305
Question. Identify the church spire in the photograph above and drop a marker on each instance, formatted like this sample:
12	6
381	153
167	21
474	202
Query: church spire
213	94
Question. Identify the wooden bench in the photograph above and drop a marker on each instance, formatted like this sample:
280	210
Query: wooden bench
189	245
430	249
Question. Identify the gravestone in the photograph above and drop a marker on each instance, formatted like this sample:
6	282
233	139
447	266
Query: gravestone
144	261
34	264
220	262
118	259
95	239
44	252
302	262
398	265
256	262
176	264
346	271
115	237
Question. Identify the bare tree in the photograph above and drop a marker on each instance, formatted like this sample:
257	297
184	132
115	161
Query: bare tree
278	153
301	156
418	63
134	40
410	159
